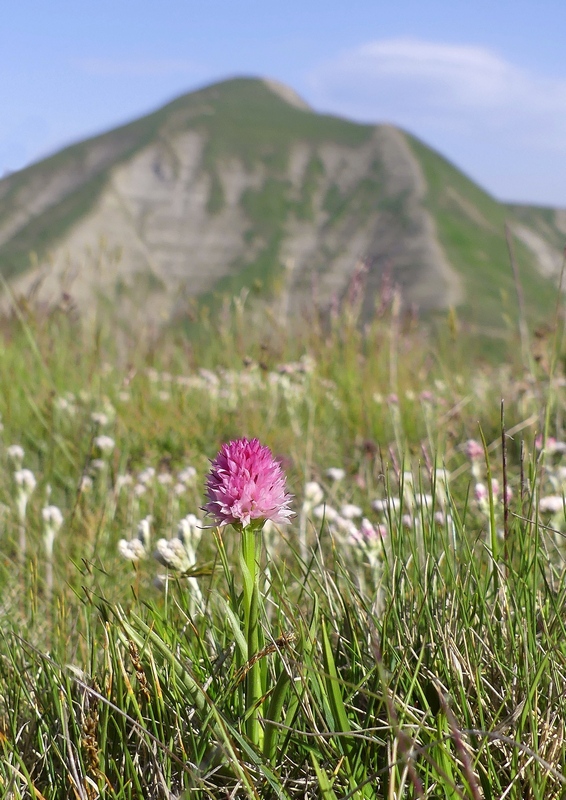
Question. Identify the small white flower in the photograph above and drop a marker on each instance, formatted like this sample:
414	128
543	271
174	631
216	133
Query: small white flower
16	452
26	483
144	530
85	484
187	475
555	446
66	404
386	505
179	553
99	418
325	512
140	489
313	493
189	532
52	516
335	474
25	479
172	554
551	504
345	526
132	550
122	481
105	444
146	476
179	489
97	465
350	511
138	547
52	521
165	478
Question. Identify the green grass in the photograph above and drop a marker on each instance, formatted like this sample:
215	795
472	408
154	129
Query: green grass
471	229
427	664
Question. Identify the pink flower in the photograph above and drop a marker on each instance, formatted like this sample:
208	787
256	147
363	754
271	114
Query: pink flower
246	483
474	450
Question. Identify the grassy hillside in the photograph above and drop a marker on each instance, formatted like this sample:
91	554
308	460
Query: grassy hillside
241	118
408	624
471	227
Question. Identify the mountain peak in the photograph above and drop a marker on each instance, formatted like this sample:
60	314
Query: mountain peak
287	93
235	188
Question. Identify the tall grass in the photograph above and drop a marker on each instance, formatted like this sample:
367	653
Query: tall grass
420	653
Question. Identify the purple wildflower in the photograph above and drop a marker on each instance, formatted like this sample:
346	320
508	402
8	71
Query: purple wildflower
246	483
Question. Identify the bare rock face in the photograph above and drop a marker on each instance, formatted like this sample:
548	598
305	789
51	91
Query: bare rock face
238	185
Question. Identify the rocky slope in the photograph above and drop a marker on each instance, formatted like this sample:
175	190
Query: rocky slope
241	185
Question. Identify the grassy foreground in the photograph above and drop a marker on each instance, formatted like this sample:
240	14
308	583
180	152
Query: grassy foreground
412	627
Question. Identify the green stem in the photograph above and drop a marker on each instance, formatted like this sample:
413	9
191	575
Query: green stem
253	691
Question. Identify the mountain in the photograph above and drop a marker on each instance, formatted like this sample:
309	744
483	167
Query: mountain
242	185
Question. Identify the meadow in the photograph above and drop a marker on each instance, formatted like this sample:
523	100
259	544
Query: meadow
407	636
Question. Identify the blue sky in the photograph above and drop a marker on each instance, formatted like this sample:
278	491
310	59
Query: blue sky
482	81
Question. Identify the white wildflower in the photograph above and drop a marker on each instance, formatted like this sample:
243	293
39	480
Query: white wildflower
325	512
66	405
16	453
187	475
386	505
25	480
146	476
85	484
105	444
171	553
345	526
335	474
189	532
52	516
52	522
313	494
551	504
26	483
143	534
122	481
350	511
132	550
138	547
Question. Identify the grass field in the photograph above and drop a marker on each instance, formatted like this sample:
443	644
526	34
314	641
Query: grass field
409	626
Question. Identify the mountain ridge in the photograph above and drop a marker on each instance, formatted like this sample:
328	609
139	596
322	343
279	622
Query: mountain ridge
241	185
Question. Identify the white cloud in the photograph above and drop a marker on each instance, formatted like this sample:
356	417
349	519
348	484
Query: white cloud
108	67
435	86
